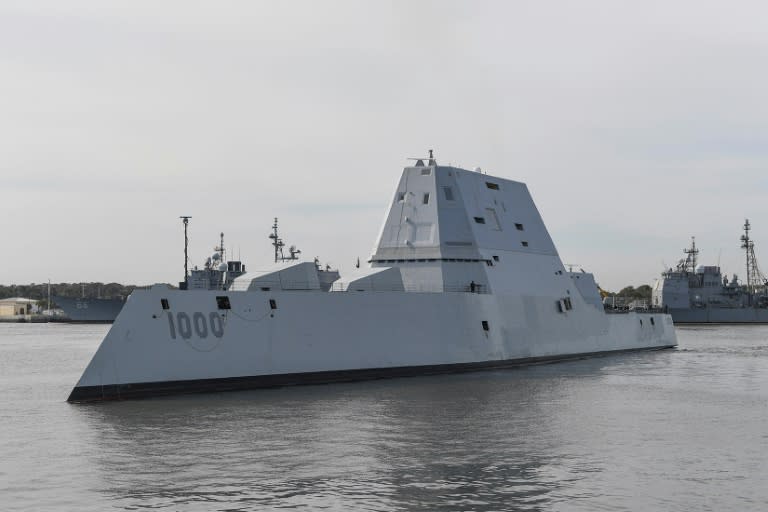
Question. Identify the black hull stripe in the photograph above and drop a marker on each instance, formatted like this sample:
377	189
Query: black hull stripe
151	389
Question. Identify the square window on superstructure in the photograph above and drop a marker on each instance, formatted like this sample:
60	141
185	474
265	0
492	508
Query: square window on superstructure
495	258
480	220
448	191
519	226
525	244
492	186
425	200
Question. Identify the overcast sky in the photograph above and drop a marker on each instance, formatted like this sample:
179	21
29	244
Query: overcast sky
634	124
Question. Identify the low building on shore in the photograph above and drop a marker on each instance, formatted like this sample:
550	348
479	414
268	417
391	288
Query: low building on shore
16	307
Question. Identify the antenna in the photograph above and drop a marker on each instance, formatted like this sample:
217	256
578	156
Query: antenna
185	220
690	258
220	248
278	243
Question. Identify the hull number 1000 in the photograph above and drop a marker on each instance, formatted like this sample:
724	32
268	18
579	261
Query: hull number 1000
199	325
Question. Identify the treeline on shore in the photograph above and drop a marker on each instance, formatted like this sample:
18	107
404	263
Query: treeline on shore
39	291
641	292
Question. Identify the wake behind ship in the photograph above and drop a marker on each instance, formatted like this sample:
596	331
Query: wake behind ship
464	276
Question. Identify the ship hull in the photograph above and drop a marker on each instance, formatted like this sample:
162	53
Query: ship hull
89	310
719	316
269	339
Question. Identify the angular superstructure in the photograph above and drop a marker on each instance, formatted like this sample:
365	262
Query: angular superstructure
464	276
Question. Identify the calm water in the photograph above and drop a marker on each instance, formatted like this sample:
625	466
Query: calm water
683	429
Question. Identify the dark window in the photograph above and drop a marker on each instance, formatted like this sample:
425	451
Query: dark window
480	220
265	288
164	303
495	258
525	244
641	322
426	172
652	321
519	226
272	304
223	302
448	191
560	306
486	327
568	305
492	186
426	198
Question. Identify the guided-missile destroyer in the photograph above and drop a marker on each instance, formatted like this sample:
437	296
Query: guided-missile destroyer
464	277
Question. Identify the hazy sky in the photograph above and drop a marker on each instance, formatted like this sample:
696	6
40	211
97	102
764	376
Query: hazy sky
634	124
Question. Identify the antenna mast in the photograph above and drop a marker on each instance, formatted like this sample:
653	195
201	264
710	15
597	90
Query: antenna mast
185	220
220	248
691	254
755	278
276	242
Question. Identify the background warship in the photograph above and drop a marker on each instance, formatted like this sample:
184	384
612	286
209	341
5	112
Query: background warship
700	294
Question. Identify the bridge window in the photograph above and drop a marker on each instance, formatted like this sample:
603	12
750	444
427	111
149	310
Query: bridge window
492	186
480	220
426	172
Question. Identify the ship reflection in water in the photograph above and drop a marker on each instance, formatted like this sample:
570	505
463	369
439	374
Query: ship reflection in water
672	430
621	432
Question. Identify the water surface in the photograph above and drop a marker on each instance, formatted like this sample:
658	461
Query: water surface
671	430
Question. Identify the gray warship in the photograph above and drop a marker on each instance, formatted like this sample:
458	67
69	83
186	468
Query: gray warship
700	294
217	274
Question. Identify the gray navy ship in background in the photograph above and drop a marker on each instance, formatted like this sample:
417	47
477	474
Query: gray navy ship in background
698	294
88	310
216	274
